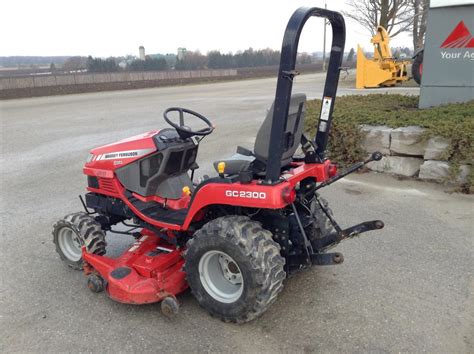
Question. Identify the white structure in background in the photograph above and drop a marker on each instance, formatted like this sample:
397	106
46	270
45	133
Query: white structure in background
141	52
181	53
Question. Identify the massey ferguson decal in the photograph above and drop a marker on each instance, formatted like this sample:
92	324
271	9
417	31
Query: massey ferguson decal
122	154
459	38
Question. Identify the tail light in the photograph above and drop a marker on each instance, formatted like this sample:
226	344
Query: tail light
288	195
332	170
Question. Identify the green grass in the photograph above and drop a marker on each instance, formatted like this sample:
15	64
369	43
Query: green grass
453	121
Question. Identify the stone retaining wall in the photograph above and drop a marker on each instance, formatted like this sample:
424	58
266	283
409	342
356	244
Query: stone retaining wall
406	153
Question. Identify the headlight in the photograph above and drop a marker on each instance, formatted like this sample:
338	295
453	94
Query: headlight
89	158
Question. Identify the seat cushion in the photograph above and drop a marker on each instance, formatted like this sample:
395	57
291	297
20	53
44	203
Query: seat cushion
294	128
235	163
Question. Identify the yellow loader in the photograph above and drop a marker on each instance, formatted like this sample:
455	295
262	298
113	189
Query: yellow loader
382	69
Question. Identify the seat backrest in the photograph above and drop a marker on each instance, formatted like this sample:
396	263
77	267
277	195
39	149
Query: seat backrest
293	131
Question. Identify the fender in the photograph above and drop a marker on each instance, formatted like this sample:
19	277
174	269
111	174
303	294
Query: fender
221	191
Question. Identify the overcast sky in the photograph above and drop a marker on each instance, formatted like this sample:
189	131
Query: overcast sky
112	28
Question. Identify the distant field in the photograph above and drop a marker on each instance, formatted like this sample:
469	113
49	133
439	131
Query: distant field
242	73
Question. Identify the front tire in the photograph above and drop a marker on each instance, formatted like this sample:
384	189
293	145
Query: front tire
74	231
234	268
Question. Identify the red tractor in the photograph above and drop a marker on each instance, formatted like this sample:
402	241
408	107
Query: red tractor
233	238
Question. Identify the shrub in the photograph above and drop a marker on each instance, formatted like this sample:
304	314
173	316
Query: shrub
452	121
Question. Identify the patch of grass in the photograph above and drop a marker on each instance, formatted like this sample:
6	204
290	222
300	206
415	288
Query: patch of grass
454	122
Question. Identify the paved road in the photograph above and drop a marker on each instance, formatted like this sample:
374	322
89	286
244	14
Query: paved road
406	288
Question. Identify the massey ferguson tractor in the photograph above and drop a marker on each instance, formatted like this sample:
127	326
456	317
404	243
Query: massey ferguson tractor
232	238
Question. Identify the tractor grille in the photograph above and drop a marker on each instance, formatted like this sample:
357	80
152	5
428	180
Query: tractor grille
92	182
107	185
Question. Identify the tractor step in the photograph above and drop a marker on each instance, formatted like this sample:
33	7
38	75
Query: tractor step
157	211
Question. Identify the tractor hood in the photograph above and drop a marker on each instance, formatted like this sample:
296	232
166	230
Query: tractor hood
122	152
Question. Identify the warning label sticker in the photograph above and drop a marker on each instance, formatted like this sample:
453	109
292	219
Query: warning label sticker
325	108
323	126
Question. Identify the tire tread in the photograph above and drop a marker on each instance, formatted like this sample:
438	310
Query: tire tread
262	251
89	231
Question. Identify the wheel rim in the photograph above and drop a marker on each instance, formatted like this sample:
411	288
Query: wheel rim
70	244
221	276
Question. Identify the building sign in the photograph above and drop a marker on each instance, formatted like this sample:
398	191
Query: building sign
460	37
448	64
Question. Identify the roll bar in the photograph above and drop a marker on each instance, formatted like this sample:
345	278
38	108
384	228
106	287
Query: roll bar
286	74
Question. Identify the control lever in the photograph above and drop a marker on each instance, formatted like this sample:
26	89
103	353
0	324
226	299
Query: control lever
376	156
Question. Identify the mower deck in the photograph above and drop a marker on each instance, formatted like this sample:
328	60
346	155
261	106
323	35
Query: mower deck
149	271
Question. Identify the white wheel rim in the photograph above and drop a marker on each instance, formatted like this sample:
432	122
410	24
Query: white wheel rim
221	277
70	244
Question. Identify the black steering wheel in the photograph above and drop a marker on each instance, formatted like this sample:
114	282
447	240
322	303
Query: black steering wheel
183	130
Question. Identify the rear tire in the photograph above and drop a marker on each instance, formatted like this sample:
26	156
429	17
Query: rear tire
234	268
74	231
417	68
323	224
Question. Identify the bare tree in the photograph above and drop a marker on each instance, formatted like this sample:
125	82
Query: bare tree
420	14
75	63
395	16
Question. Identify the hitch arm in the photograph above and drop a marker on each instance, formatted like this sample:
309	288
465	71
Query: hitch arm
317	259
336	237
376	156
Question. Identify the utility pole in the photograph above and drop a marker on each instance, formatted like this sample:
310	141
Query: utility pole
324	40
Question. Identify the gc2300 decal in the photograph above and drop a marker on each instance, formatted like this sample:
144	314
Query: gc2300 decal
245	194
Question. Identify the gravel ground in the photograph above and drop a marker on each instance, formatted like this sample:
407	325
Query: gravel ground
407	288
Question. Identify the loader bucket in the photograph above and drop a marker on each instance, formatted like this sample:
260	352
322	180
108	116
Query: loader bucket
368	72
383	69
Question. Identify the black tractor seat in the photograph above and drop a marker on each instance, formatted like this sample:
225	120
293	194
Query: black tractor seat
245	159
